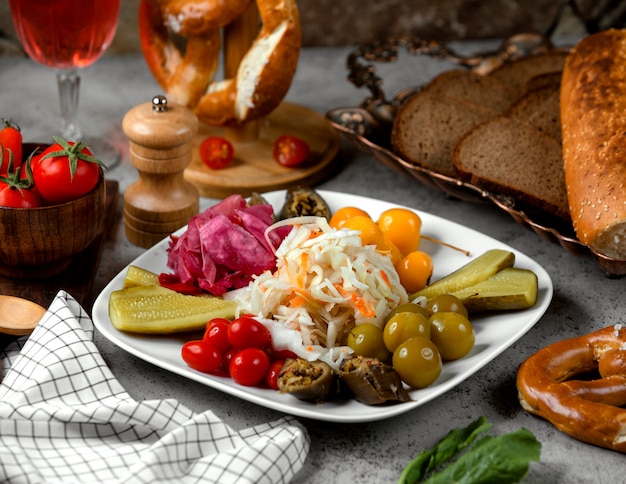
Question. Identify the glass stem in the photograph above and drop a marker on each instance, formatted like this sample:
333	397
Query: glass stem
69	84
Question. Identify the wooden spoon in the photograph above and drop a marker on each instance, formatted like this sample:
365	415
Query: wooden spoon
19	316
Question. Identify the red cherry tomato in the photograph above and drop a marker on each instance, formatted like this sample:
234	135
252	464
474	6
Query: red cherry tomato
276	355
247	332
66	171
272	374
249	366
217	334
216	152
11	143
16	186
227	358
202	356
16	198
290	151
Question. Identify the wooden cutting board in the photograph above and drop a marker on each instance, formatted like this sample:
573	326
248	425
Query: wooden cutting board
77	279
253	168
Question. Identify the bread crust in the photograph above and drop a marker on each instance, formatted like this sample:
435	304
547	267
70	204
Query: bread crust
263	76
590	410
593	118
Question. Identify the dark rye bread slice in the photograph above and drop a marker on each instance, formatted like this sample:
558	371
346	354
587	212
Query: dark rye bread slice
473	88
427	128
518	73
541	109
512	158
543	80
430	123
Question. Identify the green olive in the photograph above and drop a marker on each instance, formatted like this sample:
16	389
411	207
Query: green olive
446	303
403	326
452	333
408	308
418	362
367	340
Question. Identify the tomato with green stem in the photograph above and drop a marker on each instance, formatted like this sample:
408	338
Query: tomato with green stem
17	190
11	142
66	171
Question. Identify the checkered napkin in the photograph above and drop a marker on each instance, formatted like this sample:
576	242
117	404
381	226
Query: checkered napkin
65	418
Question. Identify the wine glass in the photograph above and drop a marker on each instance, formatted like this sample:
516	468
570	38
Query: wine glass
69	35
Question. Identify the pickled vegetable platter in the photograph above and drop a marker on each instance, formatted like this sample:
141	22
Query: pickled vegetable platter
495	332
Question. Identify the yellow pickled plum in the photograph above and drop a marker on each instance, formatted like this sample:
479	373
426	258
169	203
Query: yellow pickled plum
367	340
418	362
404	326
452	333
446	303
407	308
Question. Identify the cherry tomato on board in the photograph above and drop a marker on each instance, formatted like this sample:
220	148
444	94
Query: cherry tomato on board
216	152
11	141
247	332
66	171
290	151
202	356
249	366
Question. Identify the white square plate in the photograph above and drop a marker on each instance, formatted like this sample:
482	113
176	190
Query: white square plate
494	332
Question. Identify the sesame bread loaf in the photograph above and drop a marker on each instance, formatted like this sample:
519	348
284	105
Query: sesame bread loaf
593	116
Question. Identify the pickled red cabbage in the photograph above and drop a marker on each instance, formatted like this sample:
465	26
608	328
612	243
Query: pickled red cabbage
223	247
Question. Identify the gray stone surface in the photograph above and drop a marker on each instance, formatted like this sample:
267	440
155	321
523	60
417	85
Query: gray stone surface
584	299
351	22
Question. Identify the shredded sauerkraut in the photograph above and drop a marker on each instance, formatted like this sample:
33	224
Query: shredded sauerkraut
326	282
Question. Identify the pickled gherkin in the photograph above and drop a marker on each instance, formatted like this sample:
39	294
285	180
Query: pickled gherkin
511	288
478	270
136	276
156	309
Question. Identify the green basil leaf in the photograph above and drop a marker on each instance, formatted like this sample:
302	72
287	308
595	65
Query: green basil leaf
448	447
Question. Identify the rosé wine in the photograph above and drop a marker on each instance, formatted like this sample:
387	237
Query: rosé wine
65	34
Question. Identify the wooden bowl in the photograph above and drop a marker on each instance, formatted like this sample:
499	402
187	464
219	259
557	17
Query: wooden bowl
40	242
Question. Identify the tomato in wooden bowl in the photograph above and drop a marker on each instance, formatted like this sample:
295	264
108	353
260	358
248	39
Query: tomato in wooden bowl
40	241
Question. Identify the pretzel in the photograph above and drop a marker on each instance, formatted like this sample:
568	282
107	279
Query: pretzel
264	74
586	409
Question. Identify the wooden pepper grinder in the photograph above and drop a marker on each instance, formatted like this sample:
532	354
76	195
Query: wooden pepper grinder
160	201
